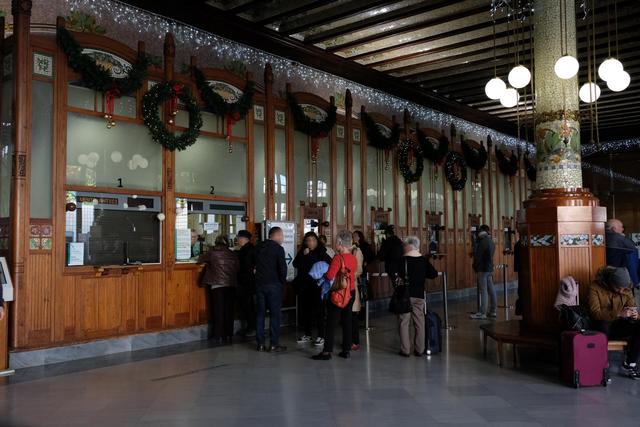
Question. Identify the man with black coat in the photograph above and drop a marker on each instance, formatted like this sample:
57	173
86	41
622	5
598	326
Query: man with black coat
391	252
271	276
246	291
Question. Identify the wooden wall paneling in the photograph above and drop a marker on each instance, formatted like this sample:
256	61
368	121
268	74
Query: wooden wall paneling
130	306
151	297
99	305
38	308
178	297
198	298
19	242
270	141
66	325
365	209
333	188
292	204
250	167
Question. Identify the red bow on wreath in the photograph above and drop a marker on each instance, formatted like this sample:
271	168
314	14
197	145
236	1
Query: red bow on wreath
173	102
315	145
110	101
230	119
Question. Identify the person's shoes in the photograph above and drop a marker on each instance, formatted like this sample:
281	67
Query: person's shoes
304	339
403	354
355	347
632	372
322	356
319	342
277	349
493	315
627	367
261	348
418	354
478	316
345	355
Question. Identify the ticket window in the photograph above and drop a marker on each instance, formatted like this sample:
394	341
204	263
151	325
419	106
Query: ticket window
474	228
313	218
380	220
434	229
508	231
200	222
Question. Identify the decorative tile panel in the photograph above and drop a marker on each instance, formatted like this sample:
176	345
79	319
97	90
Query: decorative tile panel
356	135
597	240
574	240
542	240
40	237
280	118
340	131
258	112
42	64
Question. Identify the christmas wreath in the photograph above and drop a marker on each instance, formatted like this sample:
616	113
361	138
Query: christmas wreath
435	154
532	173
375	136
231	111
316	130
455	170
408	152
476	158
171	91
96	77
508	166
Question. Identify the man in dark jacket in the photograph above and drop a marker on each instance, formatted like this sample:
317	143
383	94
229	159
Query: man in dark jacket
391	252
483	266
246	283
271	276
620	250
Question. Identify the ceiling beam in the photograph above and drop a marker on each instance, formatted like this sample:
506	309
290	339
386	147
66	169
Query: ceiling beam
293	12
234	28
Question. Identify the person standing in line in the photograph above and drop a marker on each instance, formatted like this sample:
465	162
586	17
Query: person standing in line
357	302
220	277
415	271
621	252
271	276
323	241
246	283
391	252
483	266
368	257
343	261
307	288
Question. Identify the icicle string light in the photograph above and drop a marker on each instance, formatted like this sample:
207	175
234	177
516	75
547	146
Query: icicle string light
619	146
198	42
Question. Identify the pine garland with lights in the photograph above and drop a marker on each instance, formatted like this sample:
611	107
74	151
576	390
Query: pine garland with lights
169	91
311	128
376	138
508	166
216	103
97	77
407	146
436	155
530	168
455	170
476	158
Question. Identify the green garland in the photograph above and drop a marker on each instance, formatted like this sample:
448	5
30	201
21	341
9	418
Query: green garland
508	166
532	173
436	155
214	102
97	77
476	158
407	145
160	93
376	138
455	170
310	127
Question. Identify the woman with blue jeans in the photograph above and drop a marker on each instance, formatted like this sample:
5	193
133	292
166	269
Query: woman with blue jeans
483	266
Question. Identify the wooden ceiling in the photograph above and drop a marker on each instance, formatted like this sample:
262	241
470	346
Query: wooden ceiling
444	48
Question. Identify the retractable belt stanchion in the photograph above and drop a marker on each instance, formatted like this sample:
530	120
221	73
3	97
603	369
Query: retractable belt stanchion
366	309
504	286
445	302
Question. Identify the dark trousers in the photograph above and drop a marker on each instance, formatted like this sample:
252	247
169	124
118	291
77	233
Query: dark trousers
629	330
344	315
269	297
311	309
247	307
355	327
221	304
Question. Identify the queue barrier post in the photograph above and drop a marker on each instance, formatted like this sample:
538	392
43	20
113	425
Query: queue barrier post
445	301
505	295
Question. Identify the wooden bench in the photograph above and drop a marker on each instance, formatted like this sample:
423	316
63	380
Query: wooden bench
617	345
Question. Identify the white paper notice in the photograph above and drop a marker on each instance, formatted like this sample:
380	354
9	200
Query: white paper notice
183	244
76	253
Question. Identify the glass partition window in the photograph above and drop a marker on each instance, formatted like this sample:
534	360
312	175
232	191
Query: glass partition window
413	188
41	149
402	202
323	181
111	229
357	187
302	170
259	174
79	96
372	178
199	222
214	124
124	155
280	178
6	148
340	184
207	167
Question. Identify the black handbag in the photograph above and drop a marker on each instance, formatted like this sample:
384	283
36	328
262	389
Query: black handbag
574	318
400	302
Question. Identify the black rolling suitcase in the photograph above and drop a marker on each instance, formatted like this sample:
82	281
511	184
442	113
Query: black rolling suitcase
433	330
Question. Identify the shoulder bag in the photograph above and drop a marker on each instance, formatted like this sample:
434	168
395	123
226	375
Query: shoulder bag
341	288
400	302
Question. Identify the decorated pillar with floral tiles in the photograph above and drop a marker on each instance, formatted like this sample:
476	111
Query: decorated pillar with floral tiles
557	117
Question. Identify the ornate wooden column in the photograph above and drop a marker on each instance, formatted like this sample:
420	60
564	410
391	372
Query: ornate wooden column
19	249
270	143
562	224
348	159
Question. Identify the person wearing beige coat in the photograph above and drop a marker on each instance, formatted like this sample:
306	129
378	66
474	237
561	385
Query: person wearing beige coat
357	304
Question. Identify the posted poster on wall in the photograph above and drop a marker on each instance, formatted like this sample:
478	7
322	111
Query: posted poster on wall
183	244
289	244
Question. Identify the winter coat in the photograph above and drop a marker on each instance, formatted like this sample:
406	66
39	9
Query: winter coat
246	279
271	266
222	267
356	252
621	252
605	305
483	253
303	264
391	252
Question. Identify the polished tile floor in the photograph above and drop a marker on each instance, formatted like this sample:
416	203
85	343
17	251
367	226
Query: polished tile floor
204	385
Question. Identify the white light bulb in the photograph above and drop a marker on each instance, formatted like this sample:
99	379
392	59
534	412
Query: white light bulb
519	76
609	68
566	67
589	92
495	88
619	81
509	98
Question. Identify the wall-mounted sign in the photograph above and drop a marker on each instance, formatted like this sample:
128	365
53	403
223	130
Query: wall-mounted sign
5	280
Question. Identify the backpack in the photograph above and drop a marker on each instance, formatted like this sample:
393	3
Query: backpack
341	288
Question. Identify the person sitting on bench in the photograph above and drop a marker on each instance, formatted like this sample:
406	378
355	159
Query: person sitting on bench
612	307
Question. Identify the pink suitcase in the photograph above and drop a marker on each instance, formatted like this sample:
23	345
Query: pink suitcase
585	359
